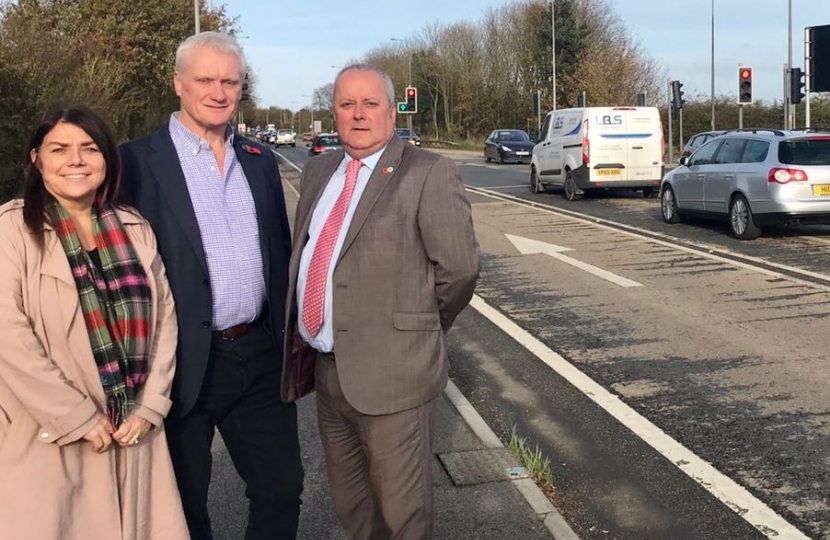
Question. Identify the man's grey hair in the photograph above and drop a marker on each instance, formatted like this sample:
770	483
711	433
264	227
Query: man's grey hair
390	88
219	42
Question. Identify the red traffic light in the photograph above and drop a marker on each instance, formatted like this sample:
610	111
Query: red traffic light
410	92
746	73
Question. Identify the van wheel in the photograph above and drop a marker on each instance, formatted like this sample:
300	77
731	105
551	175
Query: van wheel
571	193
668	206
741	221
650	193
535	182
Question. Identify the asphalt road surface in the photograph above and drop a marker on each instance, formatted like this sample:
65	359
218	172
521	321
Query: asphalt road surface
707	344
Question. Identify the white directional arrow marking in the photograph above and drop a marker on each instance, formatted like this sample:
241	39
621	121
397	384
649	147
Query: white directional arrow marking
526	246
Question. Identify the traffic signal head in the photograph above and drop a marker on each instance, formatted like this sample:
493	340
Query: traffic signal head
402	107
411	99
796	85
677	95
245	95
744	85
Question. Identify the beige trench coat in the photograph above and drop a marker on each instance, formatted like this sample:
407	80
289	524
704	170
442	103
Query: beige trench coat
52	485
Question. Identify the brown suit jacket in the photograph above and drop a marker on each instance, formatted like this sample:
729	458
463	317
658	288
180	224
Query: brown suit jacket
408	266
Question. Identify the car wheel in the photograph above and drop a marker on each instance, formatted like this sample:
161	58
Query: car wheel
535	182
668	206
741	221
499	159
293	145
572	192
650	193
487	157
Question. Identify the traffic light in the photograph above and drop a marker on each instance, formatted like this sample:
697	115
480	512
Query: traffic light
641	99
677	95
411	99
744	85
402	107
245	96
796	85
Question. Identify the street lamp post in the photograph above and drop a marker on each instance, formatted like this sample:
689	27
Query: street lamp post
712	95
790	105
196	16
553	50
312	112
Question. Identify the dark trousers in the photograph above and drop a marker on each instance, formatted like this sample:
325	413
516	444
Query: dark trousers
379	467
241	397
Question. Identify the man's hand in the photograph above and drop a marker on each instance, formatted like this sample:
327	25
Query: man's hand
132	430
100	436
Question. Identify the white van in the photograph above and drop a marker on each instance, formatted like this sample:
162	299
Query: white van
599	148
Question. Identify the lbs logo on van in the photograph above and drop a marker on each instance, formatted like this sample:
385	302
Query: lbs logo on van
608	120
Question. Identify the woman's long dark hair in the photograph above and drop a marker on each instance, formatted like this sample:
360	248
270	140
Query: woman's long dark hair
35	196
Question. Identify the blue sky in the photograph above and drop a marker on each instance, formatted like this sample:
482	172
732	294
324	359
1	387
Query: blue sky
292	44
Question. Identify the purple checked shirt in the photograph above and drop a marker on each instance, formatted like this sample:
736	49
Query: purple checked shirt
226	214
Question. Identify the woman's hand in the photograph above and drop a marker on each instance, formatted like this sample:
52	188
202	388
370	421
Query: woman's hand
132	430
100	436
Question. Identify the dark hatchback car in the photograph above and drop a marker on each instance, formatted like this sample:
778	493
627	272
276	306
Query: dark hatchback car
324	142
697	140
409	136
508	145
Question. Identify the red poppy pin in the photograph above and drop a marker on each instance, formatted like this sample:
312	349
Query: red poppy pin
252	149
387	170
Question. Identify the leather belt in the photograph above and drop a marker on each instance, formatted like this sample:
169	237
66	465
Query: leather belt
230	334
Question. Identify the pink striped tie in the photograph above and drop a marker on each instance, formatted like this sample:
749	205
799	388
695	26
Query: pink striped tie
315	285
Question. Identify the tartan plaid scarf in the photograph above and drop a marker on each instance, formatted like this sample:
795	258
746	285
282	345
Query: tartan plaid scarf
116	304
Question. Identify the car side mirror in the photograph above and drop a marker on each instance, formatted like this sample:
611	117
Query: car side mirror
684	161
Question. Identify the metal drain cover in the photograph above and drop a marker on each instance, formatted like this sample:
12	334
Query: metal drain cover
482	466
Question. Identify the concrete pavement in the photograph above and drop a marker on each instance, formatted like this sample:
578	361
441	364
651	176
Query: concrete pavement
476	505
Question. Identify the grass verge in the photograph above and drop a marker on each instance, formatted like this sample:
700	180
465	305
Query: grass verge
537	465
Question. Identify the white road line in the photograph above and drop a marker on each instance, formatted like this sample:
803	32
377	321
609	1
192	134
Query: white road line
508	187
528	246
288	161
702	250
737	498
291	164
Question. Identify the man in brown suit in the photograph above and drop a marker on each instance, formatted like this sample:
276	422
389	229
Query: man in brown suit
384	259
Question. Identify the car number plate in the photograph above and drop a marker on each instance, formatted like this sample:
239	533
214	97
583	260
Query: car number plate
822	190
608	172
522	153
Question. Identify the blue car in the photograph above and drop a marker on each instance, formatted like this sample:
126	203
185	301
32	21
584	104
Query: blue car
505	145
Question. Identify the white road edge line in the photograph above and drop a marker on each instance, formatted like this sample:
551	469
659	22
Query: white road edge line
733	495
545	511
642	234
291	164
287	161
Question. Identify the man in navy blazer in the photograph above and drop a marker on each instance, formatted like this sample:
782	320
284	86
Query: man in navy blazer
216	204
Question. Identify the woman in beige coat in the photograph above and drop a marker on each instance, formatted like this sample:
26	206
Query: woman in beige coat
87	350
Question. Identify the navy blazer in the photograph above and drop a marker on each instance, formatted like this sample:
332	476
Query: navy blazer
154	183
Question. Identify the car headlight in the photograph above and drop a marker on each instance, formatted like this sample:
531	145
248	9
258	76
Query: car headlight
506	149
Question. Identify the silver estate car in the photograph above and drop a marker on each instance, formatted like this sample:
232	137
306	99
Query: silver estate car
754	178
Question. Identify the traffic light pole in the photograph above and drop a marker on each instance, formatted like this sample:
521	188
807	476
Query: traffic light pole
808	81
669	114
680	121
740	116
